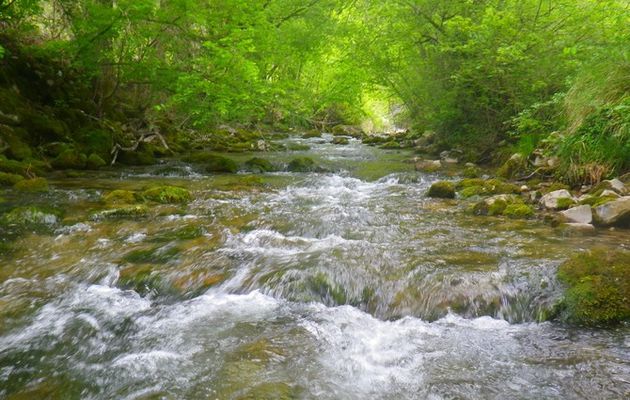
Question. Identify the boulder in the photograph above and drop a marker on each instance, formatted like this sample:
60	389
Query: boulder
442	190
557	199
259	165
576	226
614	213
579	214
168	195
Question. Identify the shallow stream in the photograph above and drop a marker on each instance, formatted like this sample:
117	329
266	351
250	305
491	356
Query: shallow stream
348	284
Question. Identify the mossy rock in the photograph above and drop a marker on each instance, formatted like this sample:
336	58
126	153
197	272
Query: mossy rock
302	164
471	172
479	187
94	161
326	292
512	167
97	141
498	205
518	211
442	190
120	196
340	140
215	163
70	159
312	134
32	185
31	218
259	165
598	287
8	179
143	155
168	195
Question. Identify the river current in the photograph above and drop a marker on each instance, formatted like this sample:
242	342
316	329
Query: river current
344	284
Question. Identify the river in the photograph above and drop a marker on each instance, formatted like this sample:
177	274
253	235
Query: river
346	284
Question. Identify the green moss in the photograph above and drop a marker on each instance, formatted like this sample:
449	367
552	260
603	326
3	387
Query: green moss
565	203
8	179
17	148
121	197
95	161
70	159
13	166
32	185
471	172
302	164
168	195
598	287
472	191
259	165
497	207
512	167
442	189
518	211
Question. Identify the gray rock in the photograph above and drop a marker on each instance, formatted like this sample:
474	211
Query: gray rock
610	193
617	186
550	200
614	213
580	215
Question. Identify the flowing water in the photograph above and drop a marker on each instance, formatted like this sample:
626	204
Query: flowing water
348	284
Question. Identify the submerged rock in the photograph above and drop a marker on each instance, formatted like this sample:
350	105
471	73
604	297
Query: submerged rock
312	134
31	218
598	287
442	190
614	213
131	212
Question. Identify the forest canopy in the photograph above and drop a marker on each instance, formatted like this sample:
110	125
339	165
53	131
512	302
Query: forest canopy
524	74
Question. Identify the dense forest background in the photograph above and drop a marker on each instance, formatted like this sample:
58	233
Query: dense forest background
491	77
